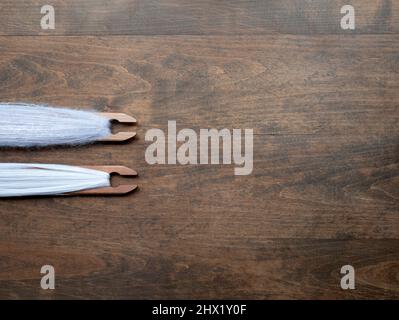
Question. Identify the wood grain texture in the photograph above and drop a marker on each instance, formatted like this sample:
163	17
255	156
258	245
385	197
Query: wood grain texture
323	193
204	17
130	267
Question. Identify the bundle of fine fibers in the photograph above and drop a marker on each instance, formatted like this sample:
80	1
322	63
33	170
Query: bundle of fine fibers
29	125
21	179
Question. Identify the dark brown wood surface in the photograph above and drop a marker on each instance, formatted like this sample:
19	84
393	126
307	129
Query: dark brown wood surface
324	106
202	17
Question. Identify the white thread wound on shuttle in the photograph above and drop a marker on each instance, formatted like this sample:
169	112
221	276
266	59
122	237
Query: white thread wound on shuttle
30	125
21	179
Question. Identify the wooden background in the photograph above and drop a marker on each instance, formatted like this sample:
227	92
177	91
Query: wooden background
324	106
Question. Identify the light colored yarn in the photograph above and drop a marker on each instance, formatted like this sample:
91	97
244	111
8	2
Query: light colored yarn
21	179
29	125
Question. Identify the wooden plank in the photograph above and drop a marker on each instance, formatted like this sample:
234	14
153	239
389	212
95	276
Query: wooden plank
296	192
139	266
323	192
320	85
209	17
